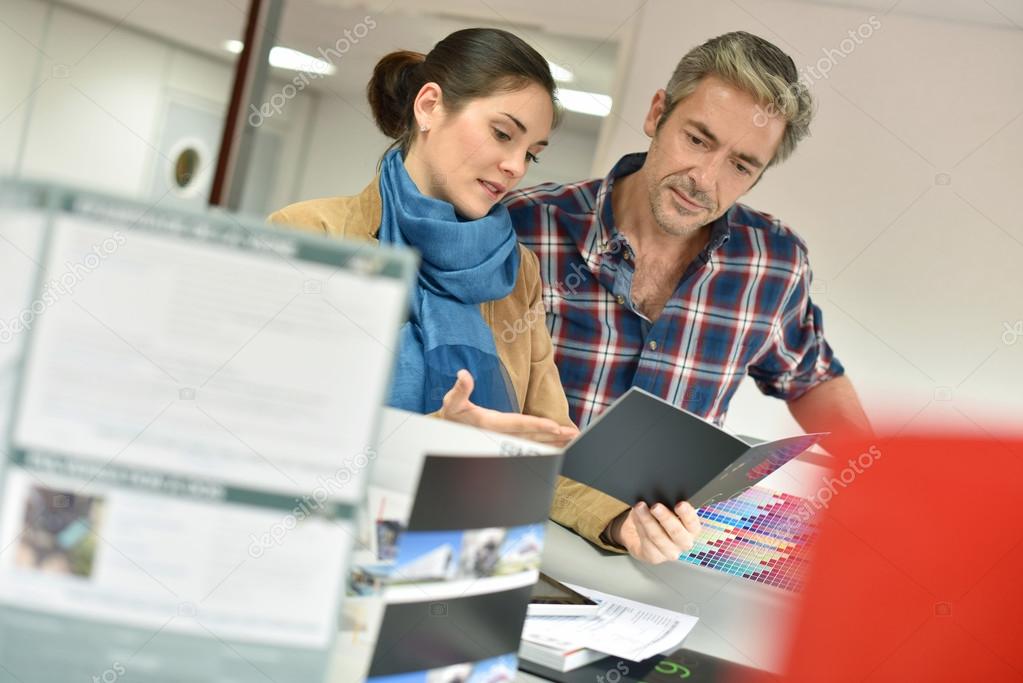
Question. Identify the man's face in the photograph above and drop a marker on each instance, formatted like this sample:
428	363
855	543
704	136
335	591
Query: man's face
708	152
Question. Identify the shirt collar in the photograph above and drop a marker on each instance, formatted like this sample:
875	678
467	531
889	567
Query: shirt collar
720	230
603	235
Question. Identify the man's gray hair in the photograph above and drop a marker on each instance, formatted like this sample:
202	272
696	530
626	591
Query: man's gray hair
757	67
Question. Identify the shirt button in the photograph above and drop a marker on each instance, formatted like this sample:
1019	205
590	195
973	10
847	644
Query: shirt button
620	299
652	345
626	255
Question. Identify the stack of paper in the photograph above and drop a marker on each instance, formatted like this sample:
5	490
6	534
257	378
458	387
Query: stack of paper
621	628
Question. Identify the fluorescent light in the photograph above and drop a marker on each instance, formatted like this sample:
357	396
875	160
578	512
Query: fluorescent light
286	58
592	103
560	73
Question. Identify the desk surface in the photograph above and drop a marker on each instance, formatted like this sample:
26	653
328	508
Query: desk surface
738	619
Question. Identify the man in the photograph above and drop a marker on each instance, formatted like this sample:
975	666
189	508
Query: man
656	277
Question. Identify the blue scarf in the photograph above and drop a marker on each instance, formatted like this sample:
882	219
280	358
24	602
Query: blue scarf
463	264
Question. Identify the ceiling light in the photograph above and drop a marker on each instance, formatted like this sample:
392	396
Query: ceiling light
560	73
286	58
592	103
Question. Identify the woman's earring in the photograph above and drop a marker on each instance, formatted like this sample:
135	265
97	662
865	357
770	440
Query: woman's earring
423	128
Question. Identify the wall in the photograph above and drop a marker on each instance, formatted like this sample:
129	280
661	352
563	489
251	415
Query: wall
84	100
21	31
96	97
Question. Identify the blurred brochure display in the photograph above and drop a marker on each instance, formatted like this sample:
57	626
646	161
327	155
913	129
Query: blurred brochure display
449	552
189	410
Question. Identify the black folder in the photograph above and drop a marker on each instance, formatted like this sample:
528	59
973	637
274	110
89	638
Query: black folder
644	448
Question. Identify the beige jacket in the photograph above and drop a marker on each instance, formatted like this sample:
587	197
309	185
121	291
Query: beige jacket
520	334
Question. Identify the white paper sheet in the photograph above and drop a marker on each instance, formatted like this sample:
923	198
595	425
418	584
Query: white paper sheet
210	361
621	628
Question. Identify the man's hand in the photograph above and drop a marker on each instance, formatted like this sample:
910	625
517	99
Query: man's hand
458	408
656	534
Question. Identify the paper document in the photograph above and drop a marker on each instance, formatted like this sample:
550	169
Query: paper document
621	628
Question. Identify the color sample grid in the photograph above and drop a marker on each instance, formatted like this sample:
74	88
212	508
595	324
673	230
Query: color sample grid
761	535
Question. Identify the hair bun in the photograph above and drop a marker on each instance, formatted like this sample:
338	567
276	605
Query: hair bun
390	91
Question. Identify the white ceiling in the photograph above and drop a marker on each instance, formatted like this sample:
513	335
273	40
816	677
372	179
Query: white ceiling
567	32
582	35
1000	13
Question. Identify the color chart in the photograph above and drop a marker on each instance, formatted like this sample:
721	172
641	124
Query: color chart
761	535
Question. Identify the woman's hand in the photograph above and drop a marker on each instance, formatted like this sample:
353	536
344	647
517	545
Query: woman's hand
458	408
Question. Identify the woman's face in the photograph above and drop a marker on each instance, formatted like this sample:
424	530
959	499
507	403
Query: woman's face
473	157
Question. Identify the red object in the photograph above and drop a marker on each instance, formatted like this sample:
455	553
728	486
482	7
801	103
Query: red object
918	571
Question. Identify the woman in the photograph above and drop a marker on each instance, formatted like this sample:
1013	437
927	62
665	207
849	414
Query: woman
466	119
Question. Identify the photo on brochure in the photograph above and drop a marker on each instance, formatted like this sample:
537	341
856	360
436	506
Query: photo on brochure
388	531
59	532
429	556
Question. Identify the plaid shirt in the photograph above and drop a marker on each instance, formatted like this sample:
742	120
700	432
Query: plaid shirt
742	307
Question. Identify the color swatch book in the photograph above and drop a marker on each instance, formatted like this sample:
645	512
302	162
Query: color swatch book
761	535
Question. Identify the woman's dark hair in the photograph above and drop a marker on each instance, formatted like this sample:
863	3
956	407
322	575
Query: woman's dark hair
471	63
